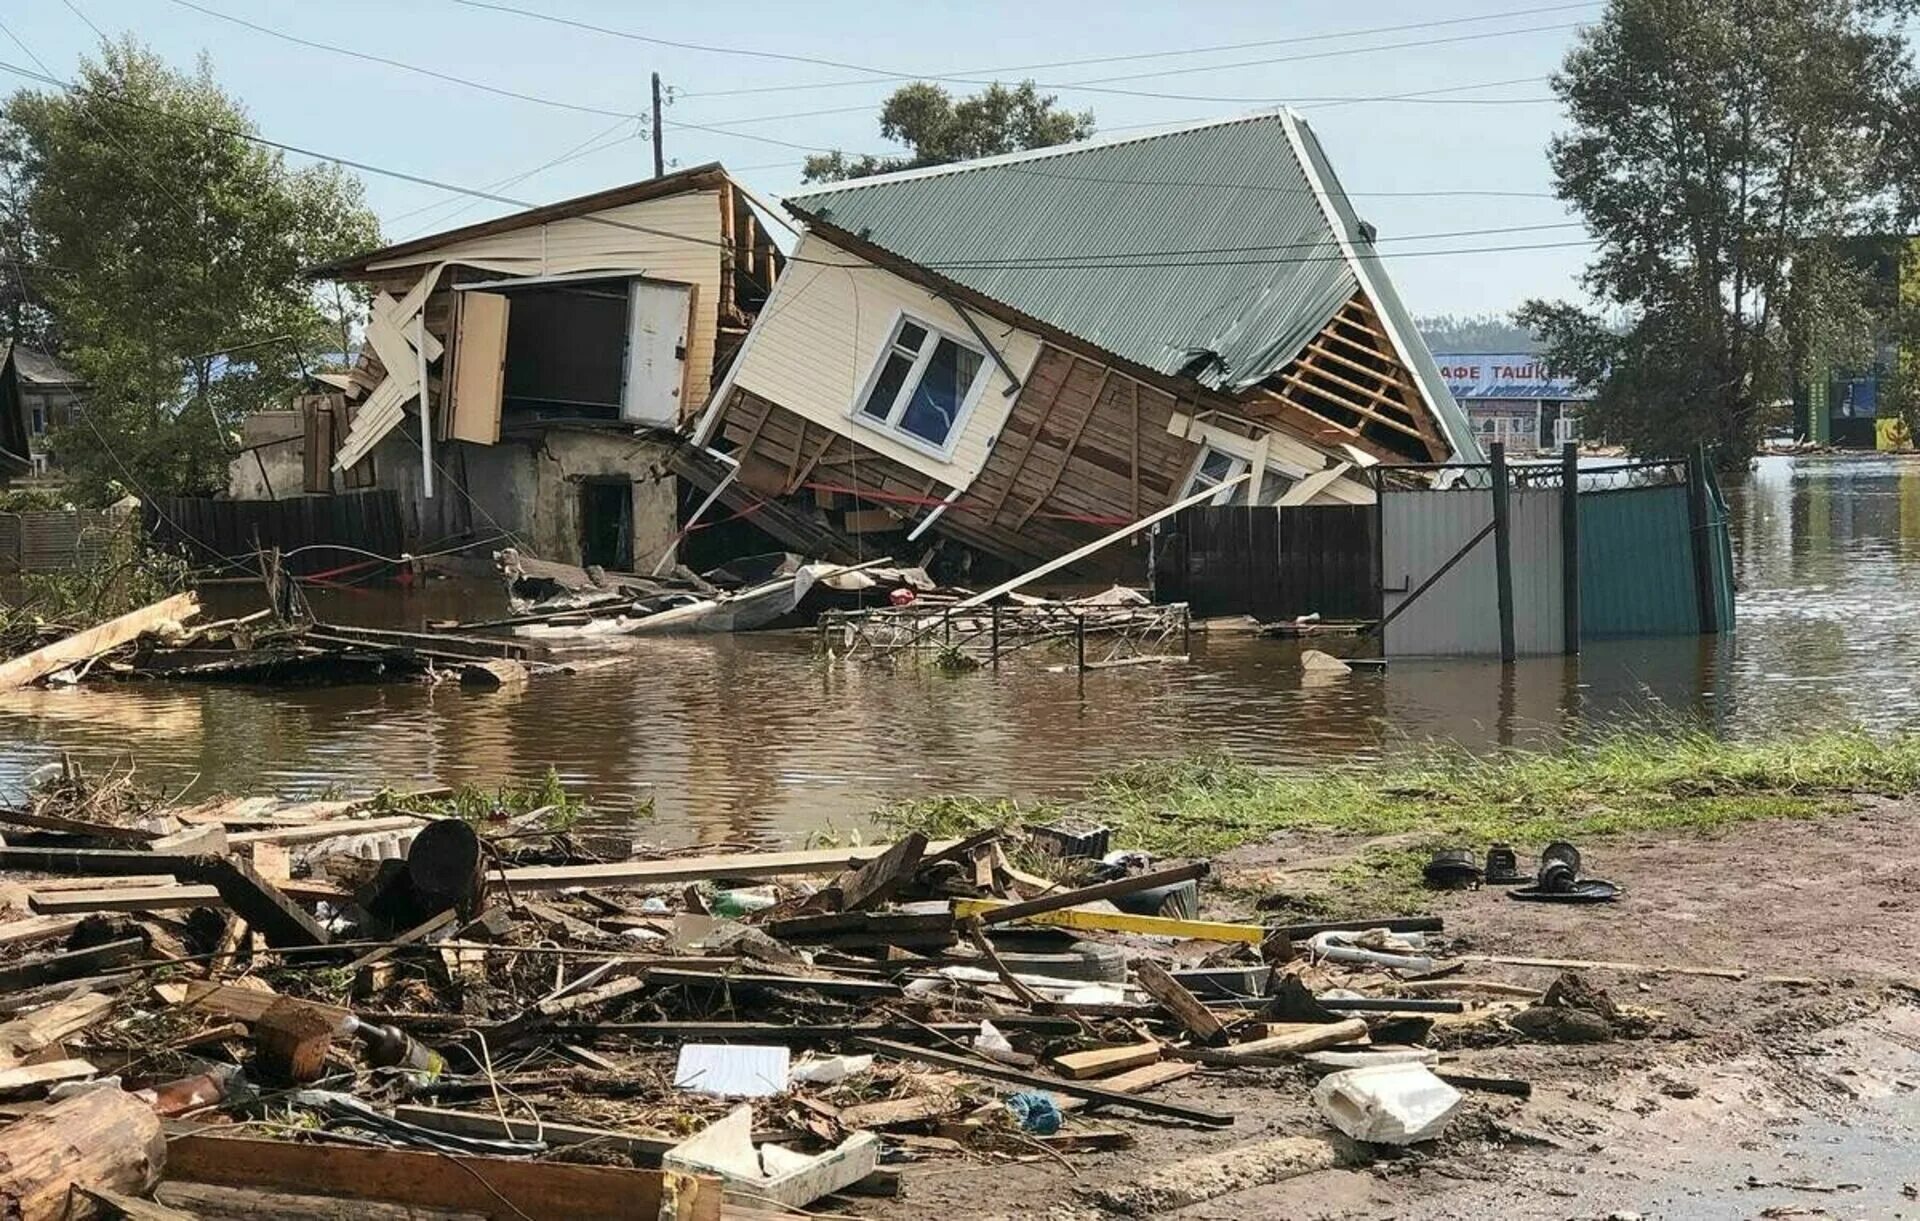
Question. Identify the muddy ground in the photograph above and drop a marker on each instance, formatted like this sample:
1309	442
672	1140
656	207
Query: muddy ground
1794	1092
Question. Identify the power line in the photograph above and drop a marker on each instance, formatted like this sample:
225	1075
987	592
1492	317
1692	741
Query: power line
598	142
716	243
1422	97
968	78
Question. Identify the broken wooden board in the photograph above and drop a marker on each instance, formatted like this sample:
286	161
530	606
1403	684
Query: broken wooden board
69	964
648	1146
1198	1020
500	1188
1105	1061
121	899
34	1079
44	1027
309	832
1119	922
36	928
31	667
697	868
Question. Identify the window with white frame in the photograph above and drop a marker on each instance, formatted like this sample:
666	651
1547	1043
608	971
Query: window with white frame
923	385
1215	467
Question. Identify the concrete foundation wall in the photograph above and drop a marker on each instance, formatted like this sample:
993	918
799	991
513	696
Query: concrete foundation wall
530	488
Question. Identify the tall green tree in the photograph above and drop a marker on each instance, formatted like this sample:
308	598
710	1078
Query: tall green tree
168	250
939	130
1722	152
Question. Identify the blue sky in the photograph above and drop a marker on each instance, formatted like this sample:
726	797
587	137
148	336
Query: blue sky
1395	157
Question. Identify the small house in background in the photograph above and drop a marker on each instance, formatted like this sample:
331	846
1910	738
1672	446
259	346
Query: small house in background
38	395
1021	353
1516	399
1854	405
560	348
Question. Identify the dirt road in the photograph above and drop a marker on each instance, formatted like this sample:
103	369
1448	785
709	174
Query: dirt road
1789	1093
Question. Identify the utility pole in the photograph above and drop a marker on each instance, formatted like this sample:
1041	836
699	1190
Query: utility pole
659	152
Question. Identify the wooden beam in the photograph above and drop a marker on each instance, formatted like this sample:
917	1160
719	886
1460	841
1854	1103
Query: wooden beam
1105	1061
1133	450
1044	411
699	868
122	899
124	629
501	1188
1066	455
1198	1020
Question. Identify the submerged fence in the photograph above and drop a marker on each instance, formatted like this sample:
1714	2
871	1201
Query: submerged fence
1476	559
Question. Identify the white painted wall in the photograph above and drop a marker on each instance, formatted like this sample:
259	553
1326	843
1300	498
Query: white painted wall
683	246
822	331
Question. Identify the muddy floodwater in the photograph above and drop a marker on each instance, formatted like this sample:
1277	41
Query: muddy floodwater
757	737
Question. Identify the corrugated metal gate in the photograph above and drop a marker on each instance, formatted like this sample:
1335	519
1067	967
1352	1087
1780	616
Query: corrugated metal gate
1633	580
1458	614
1271	563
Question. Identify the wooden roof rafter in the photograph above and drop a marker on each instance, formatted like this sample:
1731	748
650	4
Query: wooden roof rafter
1348	381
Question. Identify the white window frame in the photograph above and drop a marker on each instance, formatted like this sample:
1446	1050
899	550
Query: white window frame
890	427
1237	465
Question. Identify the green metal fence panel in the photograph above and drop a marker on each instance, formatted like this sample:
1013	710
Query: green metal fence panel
1720	539
1636	567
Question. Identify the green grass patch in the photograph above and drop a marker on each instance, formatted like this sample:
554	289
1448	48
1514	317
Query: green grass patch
559	810
1666	779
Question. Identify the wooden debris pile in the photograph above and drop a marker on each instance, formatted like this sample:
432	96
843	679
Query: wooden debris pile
251	1007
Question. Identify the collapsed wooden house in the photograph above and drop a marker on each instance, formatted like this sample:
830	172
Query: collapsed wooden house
1023	352
560	348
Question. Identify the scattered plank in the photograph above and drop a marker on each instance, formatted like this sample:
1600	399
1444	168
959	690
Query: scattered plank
37	928
1123	922
1070	1089
204	839
1295	1042
121	899
29	1079
697	868
106	832
29	668
306	833
1094	893
496	1187
874	882
45	1027
249	1204
648	1146
118	1207
825	986
1105	1061
1198	1020
70	964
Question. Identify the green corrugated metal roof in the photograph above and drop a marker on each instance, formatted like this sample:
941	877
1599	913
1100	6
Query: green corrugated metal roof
1210	238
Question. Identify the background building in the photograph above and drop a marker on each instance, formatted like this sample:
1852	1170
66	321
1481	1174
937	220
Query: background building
1515	398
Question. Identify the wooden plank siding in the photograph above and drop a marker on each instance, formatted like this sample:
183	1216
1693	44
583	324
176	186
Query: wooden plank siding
1068	466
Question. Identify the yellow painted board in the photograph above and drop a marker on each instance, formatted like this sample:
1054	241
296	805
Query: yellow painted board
1123	922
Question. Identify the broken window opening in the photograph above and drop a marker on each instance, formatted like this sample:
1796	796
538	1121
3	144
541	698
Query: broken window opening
922	387
606	523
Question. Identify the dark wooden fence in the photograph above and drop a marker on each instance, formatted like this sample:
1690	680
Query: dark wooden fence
308	530
1271	563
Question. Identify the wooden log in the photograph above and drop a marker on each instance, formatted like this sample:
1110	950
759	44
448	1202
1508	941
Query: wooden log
1036	1081
1196	1018
32	667
497	1187
102	1139
293	1038
1105	1061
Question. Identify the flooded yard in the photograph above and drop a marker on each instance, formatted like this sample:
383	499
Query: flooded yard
757	736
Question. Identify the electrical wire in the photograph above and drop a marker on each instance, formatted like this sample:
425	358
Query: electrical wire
715	243
970	77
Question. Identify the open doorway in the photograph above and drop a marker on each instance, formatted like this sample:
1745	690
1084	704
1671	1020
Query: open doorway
606	523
